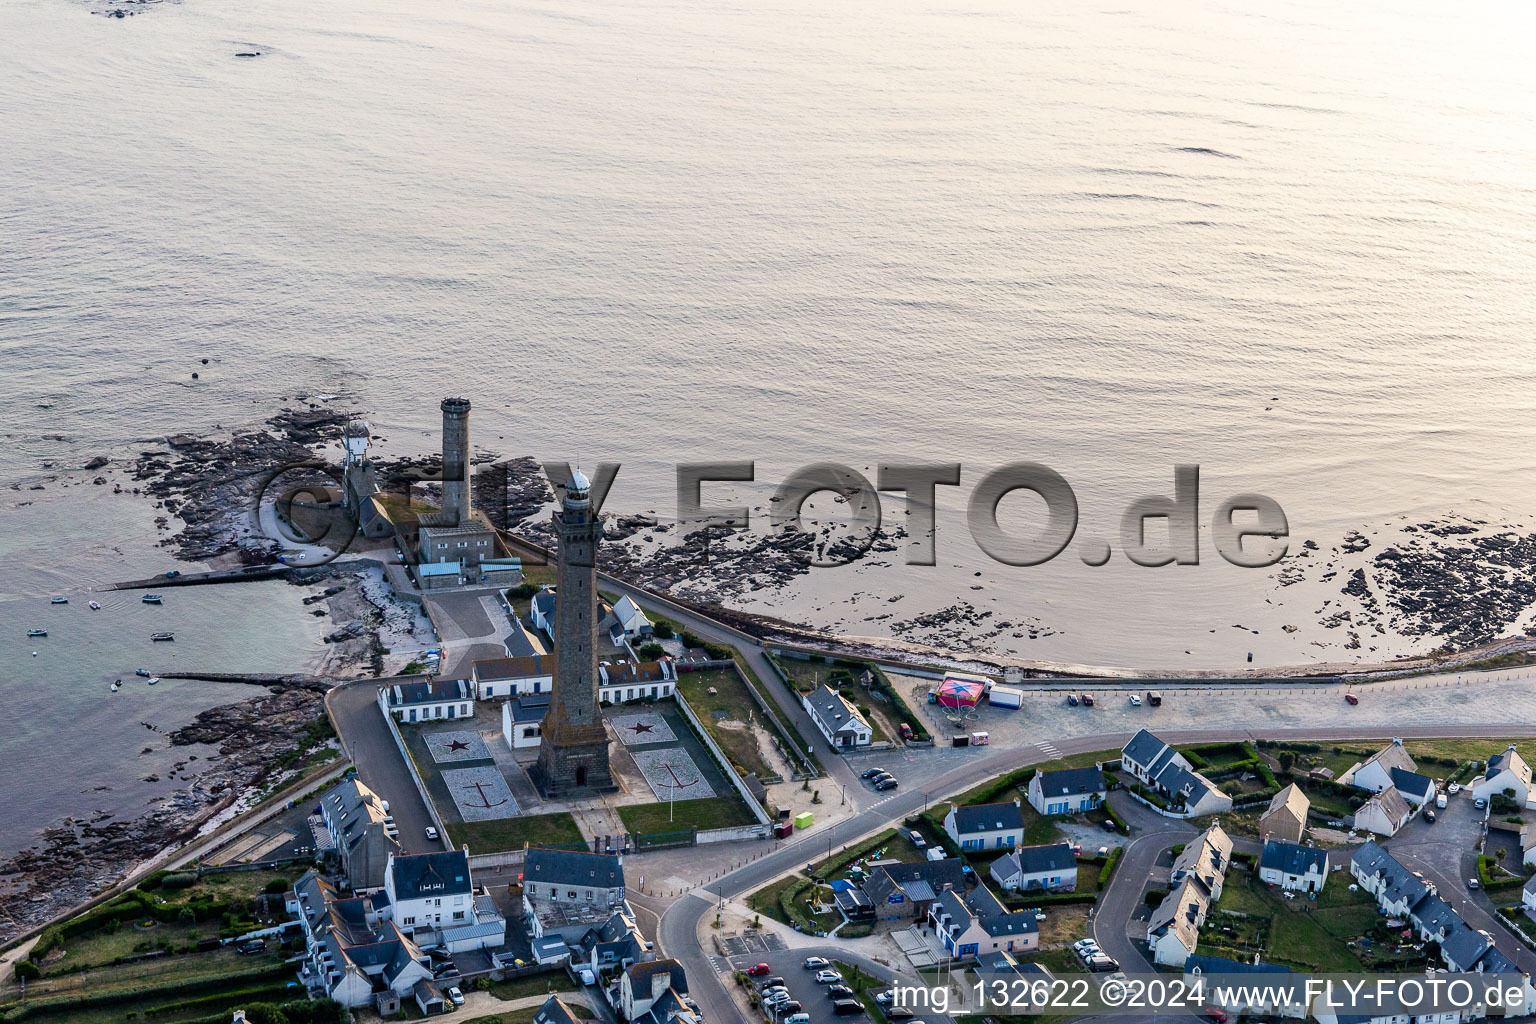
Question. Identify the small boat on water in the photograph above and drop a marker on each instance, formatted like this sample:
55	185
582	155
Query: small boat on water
95	607
141	672
59	600
115	684
162	636
153	680
37	632
151	599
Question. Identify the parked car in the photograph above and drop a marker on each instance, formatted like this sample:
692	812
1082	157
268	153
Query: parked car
898	1013
816	963
839	992
1102	964
1087	700
793	1006
870	773
1350	698
455	996
1085	948
916	839
1109	825
884	998
1429	816
1154	698
1473	883
798	1018
760	971
885	784
1480	803
1071	700
1453	788
432	833
1217	1014
776	996
1135	701
1440	801
906	731
774	982
827	977
252	947
847	1007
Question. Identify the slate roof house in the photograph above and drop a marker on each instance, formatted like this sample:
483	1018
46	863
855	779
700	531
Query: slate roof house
1292	866
1051	868
514	676
907	890
843	725
985	826
1173	930
569	876
1069	791
432	897
1384	813
1375	772
428	700
1255	1000
360	834
977	924
1159	766
630	680
1206	857
353	952
653	993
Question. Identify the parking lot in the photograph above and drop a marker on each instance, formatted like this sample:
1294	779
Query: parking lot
812	995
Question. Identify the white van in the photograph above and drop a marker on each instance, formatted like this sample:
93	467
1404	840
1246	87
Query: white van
1440	801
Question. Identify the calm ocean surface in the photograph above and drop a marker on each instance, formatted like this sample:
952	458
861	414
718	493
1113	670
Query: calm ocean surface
1293	244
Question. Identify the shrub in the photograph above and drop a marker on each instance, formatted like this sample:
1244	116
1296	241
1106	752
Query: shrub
277	887
1155	897
523	591
663	629
179	880
1109	865
26	969
652	652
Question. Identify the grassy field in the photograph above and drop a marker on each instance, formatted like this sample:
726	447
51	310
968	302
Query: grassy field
711	812
766	900
556	982
741	744
511	833
526	1015
1301	931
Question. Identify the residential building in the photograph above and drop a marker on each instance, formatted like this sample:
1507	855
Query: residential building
1251	1000
1068	791
1206	857
541	610
1384	813
1173	930
1375	772
1286	816
1396	889
1156	764
555	1011
1417	789
428	700
433	898
362	834
617	943
976	924
1030	996
1504	771
907	890
1052	868
654	992
629	680
843	725
1528	898
985	826
1292	866
522	720
568	876
513	677
632	622
353	952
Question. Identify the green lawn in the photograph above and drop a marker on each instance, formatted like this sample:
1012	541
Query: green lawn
740	743
511	833
711	812
1302	932
766	900
533	985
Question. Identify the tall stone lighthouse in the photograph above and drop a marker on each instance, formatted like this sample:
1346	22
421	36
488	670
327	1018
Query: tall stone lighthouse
573	750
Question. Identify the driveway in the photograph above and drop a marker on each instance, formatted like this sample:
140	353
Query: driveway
368	742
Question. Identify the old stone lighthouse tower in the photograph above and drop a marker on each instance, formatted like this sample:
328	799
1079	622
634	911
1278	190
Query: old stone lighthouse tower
573	751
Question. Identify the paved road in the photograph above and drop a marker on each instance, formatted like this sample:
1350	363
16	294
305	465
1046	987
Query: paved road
368	742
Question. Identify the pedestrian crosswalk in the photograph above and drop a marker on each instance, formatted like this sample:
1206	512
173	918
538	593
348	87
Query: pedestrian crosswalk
720	965
1049	749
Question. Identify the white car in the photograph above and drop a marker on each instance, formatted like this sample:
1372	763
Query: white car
455	996
1453	788
816	963
1135	701
828	977
432	833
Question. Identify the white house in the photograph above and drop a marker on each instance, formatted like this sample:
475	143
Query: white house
1375	772
631	619
1052	868
1254	999
630	680
428	700
568	876
1167	771
514	677
352	950
1384	813
653	993
522	720
1396	889
1069	791
986	826
1173	930
1505	770
1292	866
840	722
1205	857
976	924
432	898
1417	789
1528	898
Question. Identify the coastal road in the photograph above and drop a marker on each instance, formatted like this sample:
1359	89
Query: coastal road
368	742
679	931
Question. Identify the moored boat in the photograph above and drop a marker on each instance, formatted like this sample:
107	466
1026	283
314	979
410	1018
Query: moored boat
115	684
162	636
37	632
58	600
95	607
141	672
151	599
153	680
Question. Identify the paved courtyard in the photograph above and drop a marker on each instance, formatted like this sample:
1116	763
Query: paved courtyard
480	793
672	774
642	730
447	747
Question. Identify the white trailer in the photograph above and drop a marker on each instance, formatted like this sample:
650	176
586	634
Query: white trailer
1006	697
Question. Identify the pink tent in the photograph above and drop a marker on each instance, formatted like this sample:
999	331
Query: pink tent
960	693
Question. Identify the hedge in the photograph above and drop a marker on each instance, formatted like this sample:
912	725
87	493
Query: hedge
883	684
791	908
1109	865
847	857
1109	812
45	1004
1489	882
261	993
